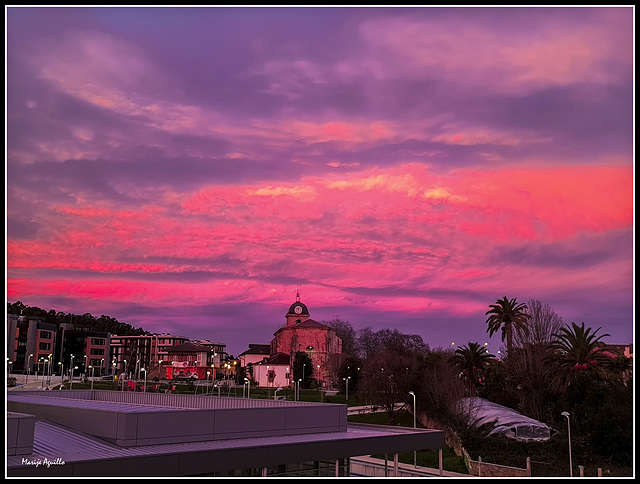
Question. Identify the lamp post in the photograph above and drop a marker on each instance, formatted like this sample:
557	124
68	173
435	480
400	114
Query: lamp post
28	368
101	366
414	425
71	380
566	414
299	382
70	372
144	388
275	395
347	394
91	376
61	372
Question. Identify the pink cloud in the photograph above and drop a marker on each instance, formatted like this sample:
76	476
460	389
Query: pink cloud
464	50
380	228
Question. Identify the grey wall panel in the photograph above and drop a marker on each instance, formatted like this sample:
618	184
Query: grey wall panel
197	423
269	420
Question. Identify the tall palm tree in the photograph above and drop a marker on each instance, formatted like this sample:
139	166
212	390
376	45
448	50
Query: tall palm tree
507	314
574	351
471	360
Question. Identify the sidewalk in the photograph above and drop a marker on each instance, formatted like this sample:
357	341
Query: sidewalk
30	383
370	409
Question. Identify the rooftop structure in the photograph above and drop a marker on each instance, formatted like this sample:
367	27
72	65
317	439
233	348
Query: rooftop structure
108	433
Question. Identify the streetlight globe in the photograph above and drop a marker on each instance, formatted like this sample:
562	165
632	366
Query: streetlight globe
565	414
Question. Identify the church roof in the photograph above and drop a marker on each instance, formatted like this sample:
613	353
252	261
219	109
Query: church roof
311	323
277	359
188	347
308	324
255	349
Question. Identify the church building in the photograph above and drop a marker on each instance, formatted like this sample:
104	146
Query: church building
301	333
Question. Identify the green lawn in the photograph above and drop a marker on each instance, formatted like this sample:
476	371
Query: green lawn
426	458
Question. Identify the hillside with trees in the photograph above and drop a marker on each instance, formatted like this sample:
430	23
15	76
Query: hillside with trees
103	323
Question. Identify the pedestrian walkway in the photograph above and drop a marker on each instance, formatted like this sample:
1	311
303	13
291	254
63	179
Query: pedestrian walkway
370	409
29	382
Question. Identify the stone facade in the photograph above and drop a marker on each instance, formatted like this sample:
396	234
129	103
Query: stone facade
320	342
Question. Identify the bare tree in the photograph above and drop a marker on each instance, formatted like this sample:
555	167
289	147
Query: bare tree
543	323
346	333
526	367
387	378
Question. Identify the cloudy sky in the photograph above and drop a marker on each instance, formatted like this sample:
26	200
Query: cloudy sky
184	170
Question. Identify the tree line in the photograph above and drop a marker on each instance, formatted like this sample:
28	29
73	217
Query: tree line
88	321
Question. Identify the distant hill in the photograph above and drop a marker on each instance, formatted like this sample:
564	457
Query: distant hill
103	323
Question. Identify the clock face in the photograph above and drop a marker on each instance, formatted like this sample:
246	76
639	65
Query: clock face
298	309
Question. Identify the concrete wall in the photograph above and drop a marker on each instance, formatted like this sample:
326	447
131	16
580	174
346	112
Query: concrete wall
20	429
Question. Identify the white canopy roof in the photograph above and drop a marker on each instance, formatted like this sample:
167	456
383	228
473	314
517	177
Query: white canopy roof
506	420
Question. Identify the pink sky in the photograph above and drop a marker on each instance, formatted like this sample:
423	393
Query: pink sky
184	170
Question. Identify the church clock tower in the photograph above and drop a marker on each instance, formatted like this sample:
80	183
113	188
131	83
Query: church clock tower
297	313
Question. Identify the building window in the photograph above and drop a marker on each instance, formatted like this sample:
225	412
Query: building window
44	346
97	341
97	351
45	334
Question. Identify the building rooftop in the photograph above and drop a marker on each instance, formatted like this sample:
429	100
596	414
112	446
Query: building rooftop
105	433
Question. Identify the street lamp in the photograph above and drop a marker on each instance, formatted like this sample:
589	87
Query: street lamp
28	368
61	372
566	414
71	380
414	425
347	394
275	395
91	376
144	389
299	382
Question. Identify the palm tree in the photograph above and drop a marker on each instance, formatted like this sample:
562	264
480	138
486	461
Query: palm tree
508	315
574	351
471	361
